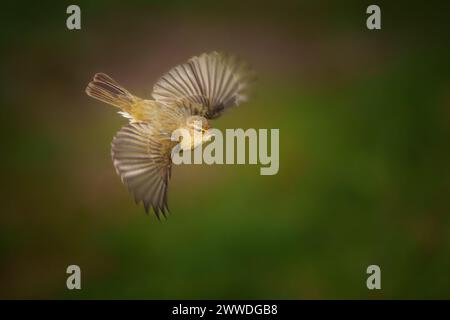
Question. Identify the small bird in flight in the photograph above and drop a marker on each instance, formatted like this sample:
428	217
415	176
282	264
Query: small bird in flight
186	97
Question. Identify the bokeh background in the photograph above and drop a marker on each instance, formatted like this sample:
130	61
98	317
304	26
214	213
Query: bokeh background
364	153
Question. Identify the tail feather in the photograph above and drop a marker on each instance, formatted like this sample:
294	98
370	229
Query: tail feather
107	90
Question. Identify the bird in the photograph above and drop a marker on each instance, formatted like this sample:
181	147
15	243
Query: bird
186	97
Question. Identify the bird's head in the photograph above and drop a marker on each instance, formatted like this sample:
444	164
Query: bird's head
198	127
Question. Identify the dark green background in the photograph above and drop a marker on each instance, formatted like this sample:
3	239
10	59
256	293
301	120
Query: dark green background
364	153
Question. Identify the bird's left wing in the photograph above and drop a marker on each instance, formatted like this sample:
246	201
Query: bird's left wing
141	156
206	85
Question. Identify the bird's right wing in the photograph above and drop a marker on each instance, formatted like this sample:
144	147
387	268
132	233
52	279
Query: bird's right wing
141	156
207	84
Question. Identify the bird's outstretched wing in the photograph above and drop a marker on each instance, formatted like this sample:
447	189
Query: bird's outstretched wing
206	85
141	156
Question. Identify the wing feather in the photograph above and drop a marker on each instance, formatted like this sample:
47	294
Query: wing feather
141	157
212	82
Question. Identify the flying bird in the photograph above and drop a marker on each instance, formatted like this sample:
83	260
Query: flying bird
186	97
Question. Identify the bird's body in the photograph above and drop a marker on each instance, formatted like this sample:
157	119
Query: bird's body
184	98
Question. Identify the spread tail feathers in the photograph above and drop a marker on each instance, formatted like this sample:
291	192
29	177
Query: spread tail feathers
106	89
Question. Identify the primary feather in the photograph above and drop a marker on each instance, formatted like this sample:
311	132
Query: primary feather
141	156
211	82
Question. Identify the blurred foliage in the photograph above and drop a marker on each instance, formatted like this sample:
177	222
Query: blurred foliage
364	164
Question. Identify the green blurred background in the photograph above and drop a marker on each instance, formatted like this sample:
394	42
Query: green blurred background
364	153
